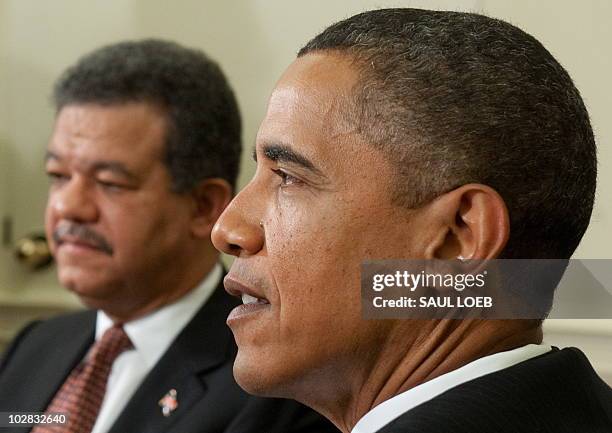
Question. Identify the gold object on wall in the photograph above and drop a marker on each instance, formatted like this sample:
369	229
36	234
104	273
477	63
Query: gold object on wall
33	251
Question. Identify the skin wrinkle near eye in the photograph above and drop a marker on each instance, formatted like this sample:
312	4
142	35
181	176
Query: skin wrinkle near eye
303	170
114	167
96	170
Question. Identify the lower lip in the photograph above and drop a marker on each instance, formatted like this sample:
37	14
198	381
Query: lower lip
73	248
246	310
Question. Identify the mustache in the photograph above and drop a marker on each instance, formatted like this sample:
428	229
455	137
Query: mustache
82	233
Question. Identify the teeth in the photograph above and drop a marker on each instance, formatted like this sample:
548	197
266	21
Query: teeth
248	299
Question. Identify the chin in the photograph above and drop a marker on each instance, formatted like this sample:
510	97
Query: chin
267	375
89	289
249	378
255	378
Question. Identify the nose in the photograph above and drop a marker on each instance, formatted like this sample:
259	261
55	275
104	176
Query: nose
238	230
74	201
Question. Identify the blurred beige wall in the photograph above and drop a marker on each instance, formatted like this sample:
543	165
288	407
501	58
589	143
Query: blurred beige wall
3	140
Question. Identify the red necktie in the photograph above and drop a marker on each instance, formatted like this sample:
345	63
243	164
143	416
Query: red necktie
81	395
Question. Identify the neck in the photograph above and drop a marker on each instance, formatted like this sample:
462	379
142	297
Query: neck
439	347
171	287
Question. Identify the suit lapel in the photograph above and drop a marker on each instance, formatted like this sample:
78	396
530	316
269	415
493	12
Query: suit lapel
204	344
74	346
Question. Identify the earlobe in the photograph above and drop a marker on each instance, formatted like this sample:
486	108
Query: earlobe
211	196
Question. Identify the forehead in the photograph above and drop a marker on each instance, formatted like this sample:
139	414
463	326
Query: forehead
311	106
131	130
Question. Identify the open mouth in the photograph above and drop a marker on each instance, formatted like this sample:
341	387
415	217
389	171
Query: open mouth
250	307
252	302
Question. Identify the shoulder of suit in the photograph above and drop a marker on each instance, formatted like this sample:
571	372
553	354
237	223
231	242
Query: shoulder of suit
63	327
66	321
555	389
43	335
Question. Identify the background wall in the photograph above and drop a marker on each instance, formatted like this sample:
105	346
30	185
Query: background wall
3	144
254	41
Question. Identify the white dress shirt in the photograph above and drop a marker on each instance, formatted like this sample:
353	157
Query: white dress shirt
396	406
151	336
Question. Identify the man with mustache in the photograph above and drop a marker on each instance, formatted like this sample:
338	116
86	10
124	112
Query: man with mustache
142	160
404	133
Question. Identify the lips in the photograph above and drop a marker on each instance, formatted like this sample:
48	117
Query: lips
79	247
70	240
253	301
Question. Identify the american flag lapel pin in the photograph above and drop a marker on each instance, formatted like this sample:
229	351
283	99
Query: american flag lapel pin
168	403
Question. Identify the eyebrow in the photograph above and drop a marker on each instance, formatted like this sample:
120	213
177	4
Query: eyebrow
112	166
284	153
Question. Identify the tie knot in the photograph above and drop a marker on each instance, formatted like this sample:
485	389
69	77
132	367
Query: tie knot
110	346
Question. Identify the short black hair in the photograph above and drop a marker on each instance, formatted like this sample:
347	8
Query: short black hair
204	127
453	98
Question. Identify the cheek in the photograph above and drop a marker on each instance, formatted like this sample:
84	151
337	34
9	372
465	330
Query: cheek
316	260
143	226
130	232
317	277
120	225
50	222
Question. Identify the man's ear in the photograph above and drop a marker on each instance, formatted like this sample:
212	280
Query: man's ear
470	222
210	197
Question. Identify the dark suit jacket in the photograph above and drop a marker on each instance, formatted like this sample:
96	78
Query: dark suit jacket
558	392
198	365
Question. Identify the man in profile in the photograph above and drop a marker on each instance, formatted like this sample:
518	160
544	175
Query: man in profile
404	133
142	160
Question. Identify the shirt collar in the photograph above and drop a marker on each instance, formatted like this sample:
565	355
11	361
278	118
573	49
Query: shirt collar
391	409
152	334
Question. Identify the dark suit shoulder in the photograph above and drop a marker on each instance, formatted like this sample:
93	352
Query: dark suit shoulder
67	323
12	347
40	358
40	335
558	392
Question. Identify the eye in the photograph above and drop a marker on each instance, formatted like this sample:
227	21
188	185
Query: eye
286	179
56	177
111	186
